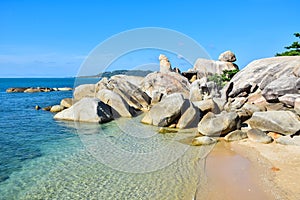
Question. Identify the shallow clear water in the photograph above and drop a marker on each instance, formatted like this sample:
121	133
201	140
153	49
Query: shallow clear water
41	158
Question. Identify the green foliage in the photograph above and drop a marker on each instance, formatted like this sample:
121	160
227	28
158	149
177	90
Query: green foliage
222	79
294	48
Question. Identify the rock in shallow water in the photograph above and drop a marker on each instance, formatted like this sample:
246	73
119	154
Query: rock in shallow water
87	110
203	140
288	140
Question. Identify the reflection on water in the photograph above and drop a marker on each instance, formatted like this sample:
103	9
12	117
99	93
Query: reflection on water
119	160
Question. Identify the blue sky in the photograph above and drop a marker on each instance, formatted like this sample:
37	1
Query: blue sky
52	38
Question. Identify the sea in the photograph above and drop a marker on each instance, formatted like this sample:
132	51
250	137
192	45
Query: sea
43	158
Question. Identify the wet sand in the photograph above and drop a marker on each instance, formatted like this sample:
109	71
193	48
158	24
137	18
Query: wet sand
231	174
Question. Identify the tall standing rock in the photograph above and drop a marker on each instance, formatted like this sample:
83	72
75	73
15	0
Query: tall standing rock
164	63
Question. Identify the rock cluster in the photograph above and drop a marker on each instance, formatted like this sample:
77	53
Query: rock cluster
261	102
37	89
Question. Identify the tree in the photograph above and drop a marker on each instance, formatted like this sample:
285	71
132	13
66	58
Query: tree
294	49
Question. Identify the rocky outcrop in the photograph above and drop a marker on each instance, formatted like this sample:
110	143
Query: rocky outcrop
36	89
164	63
87	110
220	124
115	101
227	56
284	122
165	83
165	112
205	68
269	73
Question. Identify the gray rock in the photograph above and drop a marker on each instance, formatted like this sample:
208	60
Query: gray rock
216	125
131	93
190	118
207	106
289	99
288	140
262	72
205	68
227	56
235	104
279	87
257	135
297	106
203	140
235	135
284	122
85	90
115	101
66	102
166	111
87	110
166	83
57	108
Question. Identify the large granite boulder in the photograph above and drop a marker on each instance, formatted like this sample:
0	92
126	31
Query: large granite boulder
166	111
227	56
220	124
205	67
87	110
190	117
279	87
67	102
130	92
261	73
165	83
284	122
85	90
115	101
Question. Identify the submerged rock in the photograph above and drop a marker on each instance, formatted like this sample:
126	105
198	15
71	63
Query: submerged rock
203	140
66	102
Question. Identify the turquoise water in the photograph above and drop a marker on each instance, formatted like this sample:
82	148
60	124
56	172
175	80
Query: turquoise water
41	158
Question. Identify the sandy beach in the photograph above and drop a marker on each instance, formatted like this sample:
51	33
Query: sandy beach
250	170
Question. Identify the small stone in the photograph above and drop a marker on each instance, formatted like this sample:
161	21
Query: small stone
48	108
164	130
37	107
203	140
